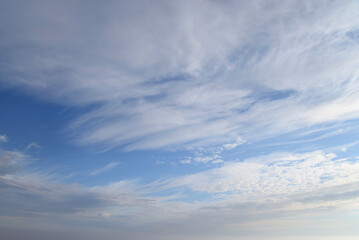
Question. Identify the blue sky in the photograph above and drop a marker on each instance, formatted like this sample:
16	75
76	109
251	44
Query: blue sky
179	119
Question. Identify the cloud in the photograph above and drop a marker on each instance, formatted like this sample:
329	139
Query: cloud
40	195
3	138
204	157
275	176
257	189
12	161
186	161
230	146
106	168
185	74
32	145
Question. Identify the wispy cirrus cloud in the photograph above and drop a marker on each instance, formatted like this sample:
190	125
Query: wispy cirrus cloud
106	168
12	161
201	73
3	138
32	145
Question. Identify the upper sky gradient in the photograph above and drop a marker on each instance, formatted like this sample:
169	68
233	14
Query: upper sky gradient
179	120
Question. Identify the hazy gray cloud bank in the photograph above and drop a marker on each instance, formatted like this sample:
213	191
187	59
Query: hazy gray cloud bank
238	193
184	73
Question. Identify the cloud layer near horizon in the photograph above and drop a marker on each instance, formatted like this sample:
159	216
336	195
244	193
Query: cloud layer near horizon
180	74
269	187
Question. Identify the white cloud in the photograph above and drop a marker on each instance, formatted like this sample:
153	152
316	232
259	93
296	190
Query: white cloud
12	161
104	214
187	73
218	161
239	193
230	146
106	168
3	138
159	162
32	145
186	161
203	158
274	176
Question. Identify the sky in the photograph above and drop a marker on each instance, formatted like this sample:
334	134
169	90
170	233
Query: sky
179	120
